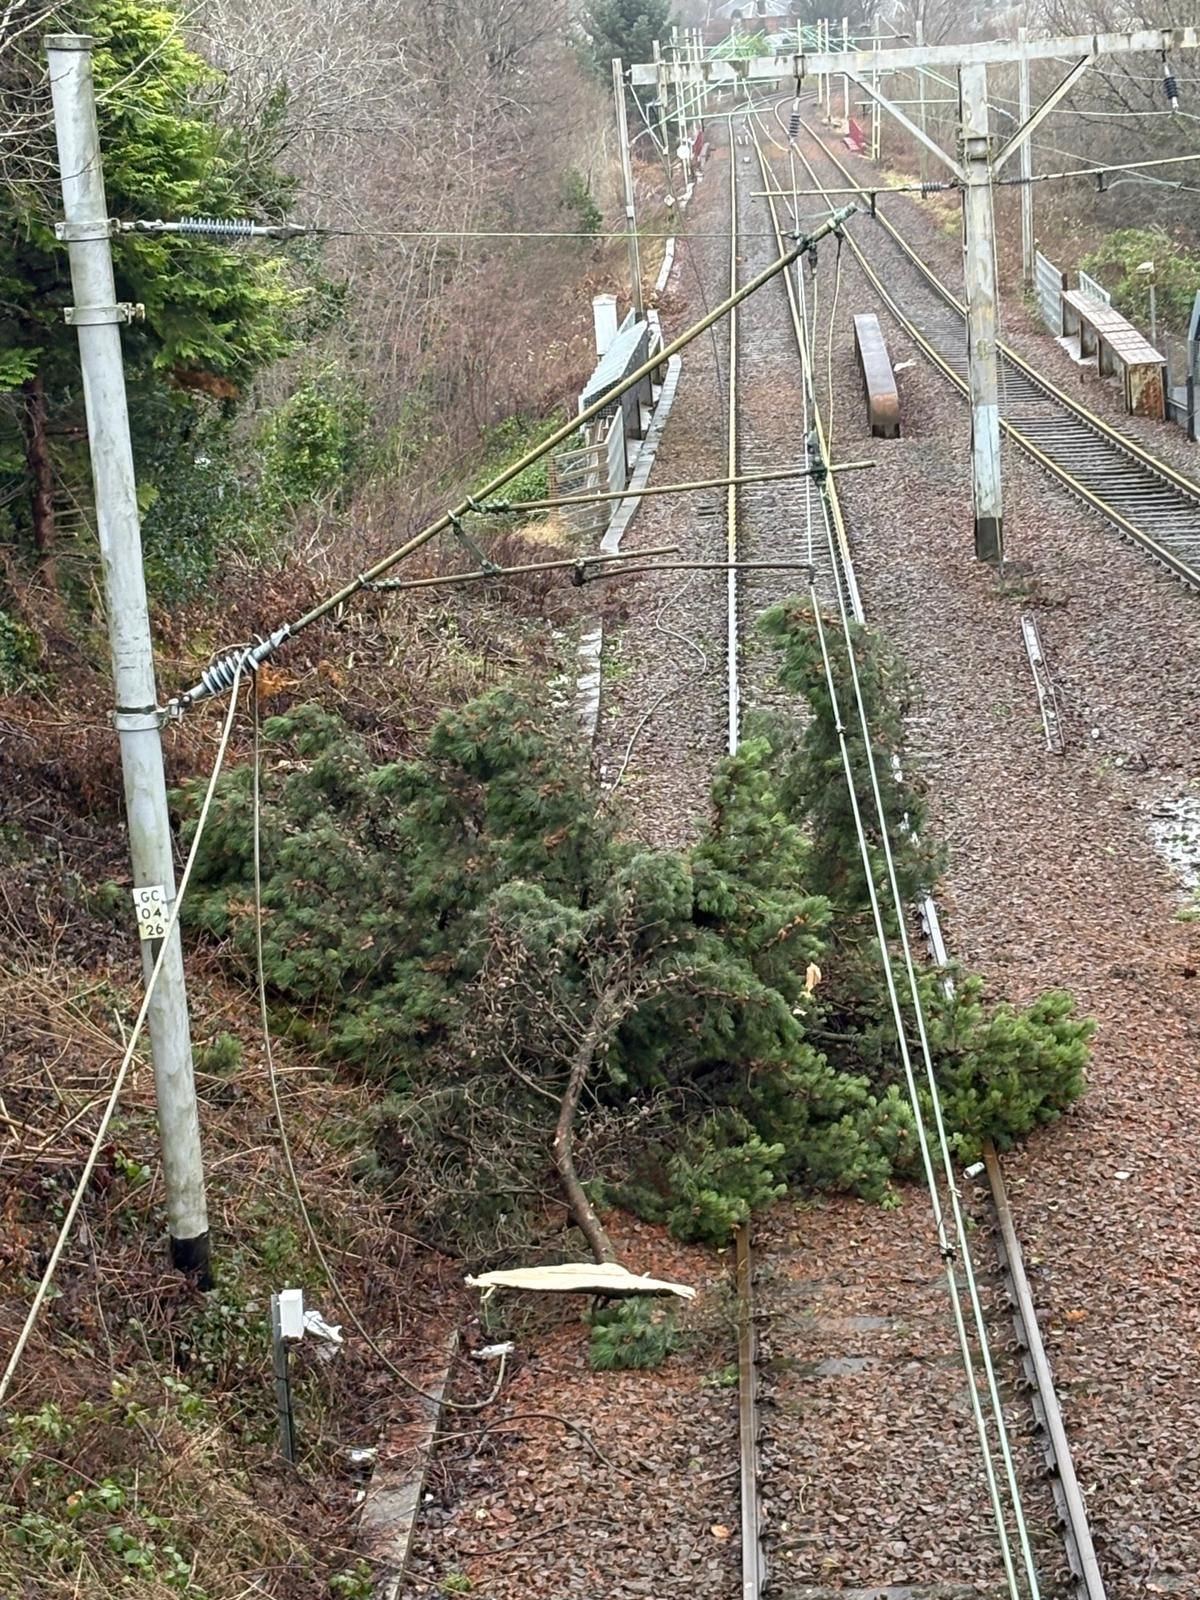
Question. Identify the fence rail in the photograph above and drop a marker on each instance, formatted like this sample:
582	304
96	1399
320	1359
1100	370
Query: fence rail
1048	284
595	466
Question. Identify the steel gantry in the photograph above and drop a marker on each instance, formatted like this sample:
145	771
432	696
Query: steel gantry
975	168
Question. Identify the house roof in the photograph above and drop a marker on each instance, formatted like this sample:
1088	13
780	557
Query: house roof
750	9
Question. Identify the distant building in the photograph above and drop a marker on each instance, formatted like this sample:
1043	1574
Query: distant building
749	16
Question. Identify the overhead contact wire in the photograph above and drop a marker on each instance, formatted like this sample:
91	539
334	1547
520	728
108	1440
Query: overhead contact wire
945	1248
832	508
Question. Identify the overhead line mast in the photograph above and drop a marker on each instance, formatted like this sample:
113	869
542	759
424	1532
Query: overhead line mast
980	161
97	316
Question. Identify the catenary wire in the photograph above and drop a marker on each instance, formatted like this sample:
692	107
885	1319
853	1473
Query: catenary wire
910	1078
828	500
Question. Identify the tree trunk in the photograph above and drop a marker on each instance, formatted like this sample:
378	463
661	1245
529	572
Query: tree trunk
581	1207
37	458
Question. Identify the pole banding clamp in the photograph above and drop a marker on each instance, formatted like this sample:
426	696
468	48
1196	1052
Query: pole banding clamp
99	316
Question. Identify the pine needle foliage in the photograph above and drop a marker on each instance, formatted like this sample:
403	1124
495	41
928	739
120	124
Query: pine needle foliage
215	315
627	1334
468	925
624	28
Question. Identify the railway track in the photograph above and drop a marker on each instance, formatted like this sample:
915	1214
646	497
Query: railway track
765	430
1148	501
766	522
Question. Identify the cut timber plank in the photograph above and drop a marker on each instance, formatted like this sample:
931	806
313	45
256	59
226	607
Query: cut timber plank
879	381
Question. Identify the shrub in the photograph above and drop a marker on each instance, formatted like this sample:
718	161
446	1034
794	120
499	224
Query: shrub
222	1055
1177	274
312	443
505	442
577	199
628	1334
721	1175
20	654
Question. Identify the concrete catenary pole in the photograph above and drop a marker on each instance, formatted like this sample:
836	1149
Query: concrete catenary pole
981	316
98	317
1023	106
922	119
663	93
635	254
845	79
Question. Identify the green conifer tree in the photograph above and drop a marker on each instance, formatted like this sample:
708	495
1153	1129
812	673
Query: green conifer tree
551	1003
214	315
624	28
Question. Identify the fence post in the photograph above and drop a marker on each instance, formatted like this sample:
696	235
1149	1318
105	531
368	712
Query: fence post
1193	373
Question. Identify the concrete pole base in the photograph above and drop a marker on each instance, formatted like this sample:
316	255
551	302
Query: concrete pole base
192	1257
989	540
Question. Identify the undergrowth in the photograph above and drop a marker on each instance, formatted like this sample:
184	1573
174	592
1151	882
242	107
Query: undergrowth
138	1454
1115	263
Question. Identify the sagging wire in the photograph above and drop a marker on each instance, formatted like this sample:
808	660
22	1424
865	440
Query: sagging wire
285	1143
837	284
444	523
828	500
166	947
964	1252
830	513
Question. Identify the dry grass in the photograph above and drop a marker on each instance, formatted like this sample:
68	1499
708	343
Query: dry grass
140	1453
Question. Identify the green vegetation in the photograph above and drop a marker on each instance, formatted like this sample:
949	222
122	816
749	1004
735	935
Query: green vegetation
743	46
222	1055
624	28
578	200
509	440
20	654
355	1583
77	1511
470	927
311	445
1176	274
214	315
628	1334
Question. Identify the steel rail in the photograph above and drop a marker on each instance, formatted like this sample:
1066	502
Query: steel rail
1072	1511
754	1562
1183	567
1114	436
839	549
1077	1538
1077	1533
731	493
